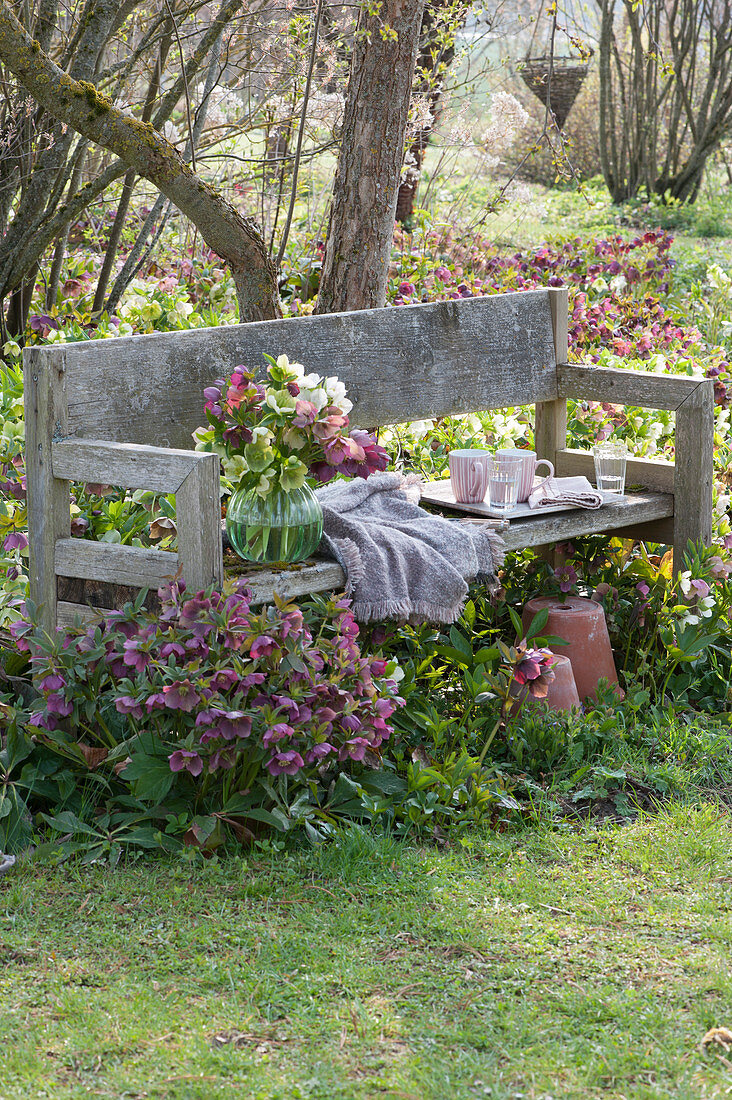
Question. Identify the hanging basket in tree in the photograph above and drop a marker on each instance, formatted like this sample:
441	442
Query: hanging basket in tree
559	92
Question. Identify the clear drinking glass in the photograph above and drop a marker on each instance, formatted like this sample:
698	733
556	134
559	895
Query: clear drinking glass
504	477
610	459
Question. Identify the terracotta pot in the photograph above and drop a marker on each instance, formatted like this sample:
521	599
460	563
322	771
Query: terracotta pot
562	694
581	623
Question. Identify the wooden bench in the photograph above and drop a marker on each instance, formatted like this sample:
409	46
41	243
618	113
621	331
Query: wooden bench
121	412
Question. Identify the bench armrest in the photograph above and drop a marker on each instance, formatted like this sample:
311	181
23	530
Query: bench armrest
631	387
691	399
194	479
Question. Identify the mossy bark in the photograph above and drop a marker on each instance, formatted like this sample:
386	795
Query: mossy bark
79	105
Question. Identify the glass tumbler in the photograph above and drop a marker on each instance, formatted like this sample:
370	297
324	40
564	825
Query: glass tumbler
504	478
610	460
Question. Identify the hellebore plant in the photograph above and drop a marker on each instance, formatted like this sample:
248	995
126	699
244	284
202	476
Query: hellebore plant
207	704
287	431
524	672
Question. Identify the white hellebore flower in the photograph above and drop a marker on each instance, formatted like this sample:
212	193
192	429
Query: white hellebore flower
336	392
284	364
261	435
420	428
311	390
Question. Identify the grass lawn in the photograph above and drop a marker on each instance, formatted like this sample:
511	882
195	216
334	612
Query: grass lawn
549	964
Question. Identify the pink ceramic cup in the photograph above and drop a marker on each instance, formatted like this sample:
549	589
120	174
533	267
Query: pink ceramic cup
528	469
469	475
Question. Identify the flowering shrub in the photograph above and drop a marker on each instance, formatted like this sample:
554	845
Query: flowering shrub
211	707
280	434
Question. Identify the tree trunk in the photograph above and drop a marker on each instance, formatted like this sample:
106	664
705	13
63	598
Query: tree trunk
440	22
19	308
361	228
78	104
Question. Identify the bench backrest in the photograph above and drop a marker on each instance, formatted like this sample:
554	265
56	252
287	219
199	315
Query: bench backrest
407	363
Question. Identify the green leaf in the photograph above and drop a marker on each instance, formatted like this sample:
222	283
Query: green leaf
518	626
486	655
68	822
384	782
17	748
149	776
274	818
454	655
15	820
538	623
460	642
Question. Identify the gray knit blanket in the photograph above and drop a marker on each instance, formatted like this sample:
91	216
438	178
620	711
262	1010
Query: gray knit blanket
400	561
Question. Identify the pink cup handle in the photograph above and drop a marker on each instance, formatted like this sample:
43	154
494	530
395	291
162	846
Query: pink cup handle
476	476
545	462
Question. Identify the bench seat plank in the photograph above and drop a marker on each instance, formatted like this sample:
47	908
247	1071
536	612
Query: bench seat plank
629	511
319	575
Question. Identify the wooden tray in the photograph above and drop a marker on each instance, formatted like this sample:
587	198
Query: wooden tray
440	492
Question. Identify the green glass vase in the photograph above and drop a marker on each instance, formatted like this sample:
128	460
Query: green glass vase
281	527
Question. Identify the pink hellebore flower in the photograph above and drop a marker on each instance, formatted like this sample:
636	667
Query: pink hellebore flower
354	749
317	752
277	733
16	540
52	682
567	577
287	763
134	657
306	413
183	760
125	704
263	646
324	473
329	427
181	695
343	449
535	670
56	704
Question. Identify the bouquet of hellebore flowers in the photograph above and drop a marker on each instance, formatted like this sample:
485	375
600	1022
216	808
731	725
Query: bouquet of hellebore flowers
290	430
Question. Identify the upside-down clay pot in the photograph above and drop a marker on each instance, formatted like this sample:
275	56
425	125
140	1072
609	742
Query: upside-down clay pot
581	623
562	693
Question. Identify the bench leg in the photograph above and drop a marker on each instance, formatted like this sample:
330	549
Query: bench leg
49	516
693	471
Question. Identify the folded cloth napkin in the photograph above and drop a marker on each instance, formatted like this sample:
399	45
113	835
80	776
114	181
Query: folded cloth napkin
576	491
401	562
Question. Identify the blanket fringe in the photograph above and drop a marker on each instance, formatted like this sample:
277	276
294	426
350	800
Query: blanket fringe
414	613
350	561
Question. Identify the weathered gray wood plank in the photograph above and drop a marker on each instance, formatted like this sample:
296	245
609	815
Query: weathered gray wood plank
198	516
108	561
315	576
319	576
66	613
550	429
655	473
399	364
49	517
694	470
626	387
127	465
559	526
